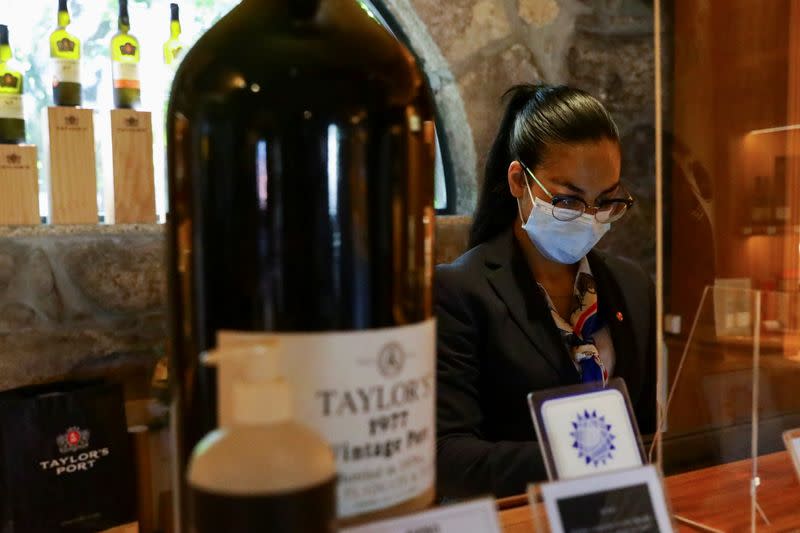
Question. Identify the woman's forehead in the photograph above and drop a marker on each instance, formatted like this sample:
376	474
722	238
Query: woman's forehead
590	163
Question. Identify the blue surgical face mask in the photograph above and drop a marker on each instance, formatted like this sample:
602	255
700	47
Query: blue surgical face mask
564	242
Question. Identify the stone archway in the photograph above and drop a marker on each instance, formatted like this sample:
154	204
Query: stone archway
454	126
474	50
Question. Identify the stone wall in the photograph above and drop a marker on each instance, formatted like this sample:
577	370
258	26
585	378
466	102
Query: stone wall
602	46
84	301
80	301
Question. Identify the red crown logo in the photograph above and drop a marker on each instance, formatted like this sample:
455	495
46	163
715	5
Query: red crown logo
127	49
13	159
73	439
8	80
65	45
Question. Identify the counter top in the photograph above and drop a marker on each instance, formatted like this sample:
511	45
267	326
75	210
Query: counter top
717	497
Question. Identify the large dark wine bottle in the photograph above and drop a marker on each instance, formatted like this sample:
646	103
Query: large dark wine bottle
301	156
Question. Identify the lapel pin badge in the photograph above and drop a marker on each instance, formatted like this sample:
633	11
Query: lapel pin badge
620	318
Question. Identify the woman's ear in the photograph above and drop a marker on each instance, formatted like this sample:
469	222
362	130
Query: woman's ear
516	180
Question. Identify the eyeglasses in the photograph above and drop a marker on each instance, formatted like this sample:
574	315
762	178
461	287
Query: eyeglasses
566	207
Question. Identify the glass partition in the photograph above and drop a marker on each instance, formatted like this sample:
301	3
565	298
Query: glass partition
710	417
732	395
709	408
778	408
730	110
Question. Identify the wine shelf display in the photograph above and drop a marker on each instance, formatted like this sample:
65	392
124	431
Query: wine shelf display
68	147
757	230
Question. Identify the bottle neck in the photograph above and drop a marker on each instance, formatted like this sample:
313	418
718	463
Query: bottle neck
175	29
63	19
296	9
123	22
5	49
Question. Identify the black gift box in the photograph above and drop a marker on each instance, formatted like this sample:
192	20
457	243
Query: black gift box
65	460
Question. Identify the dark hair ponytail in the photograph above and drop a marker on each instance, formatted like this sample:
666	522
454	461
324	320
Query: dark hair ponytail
536	116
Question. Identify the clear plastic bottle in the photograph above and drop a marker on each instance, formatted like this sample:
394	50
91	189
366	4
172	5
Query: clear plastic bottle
266	471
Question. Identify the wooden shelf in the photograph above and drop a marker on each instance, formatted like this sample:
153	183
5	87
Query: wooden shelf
771	229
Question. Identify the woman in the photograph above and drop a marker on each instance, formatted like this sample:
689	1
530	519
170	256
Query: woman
516	312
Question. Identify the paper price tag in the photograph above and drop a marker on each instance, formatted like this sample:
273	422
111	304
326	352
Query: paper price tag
791	439
479	516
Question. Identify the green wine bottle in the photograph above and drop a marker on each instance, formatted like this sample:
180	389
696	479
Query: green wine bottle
12	120
173	47
125	62
65	52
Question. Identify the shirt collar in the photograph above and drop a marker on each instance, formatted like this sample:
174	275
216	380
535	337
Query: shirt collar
583	268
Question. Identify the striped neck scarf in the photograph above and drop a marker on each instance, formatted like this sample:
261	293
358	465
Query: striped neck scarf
584	322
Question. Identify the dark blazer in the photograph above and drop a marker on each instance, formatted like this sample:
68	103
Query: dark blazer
497	342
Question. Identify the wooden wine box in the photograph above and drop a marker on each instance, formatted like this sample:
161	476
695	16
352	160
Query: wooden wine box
73	175
19	185
133	190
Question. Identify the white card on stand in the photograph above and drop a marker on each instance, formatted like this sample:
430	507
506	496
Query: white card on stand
586	429
590	433
792	440
478	516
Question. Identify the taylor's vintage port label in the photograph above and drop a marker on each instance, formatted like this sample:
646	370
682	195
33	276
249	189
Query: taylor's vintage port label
371	395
